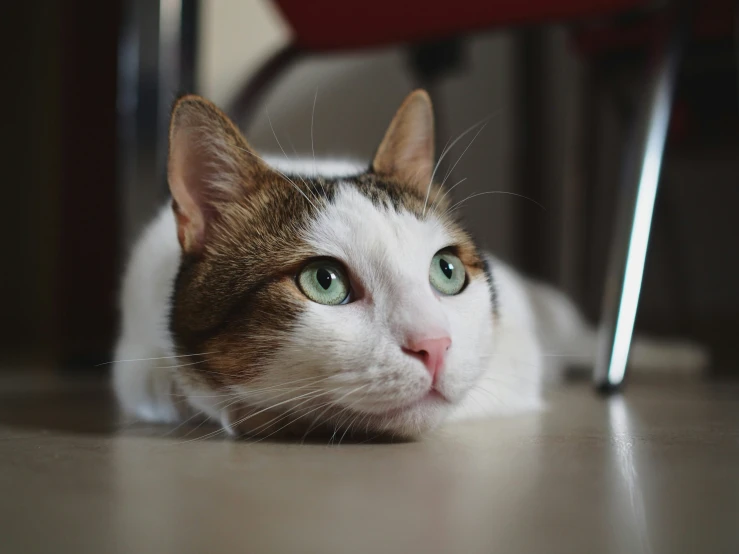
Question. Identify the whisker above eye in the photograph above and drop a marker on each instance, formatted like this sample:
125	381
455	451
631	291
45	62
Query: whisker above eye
460	158
471	196
447	150
312	149
312	117
269	119
283	176
450	189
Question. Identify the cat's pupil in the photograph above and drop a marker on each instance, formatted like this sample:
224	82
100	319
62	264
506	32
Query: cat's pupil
446	268
324	278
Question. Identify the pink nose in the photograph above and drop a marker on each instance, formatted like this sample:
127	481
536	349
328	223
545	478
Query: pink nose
431	352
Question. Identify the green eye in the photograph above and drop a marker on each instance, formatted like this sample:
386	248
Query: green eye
324	282
447	273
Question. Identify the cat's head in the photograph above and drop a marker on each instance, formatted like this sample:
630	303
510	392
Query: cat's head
324	299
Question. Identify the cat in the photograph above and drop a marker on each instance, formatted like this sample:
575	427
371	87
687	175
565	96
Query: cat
294	297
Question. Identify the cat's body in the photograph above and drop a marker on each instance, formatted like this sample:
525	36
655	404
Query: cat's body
220	322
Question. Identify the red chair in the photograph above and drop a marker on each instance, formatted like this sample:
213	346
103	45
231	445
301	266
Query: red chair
324	26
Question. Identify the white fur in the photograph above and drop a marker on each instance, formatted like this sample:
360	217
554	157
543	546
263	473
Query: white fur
142	382
309	167
496	364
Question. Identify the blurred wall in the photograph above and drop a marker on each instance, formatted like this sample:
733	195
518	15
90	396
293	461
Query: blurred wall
235	36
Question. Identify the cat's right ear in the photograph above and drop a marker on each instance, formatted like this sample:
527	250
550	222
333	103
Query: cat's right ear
209	163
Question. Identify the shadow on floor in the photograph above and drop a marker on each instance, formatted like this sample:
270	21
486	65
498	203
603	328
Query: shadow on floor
88	407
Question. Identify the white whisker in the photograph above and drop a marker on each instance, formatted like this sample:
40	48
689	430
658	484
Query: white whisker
178	365
451	170
235	424
471	196
219	405
349	427
269	119
157	358
312	117
287	414
450	189
311	411
446	151
283	176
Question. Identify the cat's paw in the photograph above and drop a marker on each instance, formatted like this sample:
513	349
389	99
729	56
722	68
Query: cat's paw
148	394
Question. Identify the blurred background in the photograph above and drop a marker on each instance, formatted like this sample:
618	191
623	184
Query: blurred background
88	85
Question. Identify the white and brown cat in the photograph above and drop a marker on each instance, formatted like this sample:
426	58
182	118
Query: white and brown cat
296	296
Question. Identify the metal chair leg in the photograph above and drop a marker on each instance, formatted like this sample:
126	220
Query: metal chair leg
634	215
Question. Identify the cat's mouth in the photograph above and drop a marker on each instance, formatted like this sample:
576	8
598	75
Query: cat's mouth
431	400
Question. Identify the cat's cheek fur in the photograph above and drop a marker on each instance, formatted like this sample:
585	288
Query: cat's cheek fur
473	333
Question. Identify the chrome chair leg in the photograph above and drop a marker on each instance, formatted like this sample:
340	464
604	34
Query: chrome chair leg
636	205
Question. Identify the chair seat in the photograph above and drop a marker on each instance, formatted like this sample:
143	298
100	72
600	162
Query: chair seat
712	19
343	25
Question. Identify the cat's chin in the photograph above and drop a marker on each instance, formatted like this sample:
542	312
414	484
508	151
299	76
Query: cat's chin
432	400
410	420
392	422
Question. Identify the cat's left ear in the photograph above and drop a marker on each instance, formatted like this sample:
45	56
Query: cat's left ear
406	154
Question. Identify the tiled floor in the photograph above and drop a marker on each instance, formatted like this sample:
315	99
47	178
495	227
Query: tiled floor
656	470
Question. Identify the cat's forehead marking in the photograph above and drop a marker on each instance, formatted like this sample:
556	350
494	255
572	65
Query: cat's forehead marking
386	194
363	216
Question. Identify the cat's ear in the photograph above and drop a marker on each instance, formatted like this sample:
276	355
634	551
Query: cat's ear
407	150
209	163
